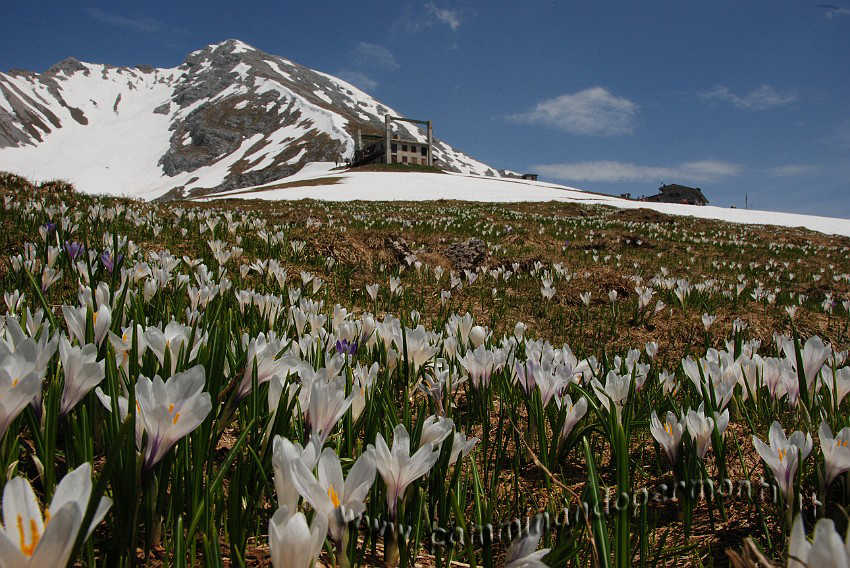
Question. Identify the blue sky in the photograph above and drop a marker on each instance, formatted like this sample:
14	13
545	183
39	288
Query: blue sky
739	98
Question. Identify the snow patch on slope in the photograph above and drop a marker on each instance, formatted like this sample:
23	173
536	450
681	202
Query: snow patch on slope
416	186
120	145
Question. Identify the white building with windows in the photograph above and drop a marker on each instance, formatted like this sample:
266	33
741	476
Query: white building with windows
375	149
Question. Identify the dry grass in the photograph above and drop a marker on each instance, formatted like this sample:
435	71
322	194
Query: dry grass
289	185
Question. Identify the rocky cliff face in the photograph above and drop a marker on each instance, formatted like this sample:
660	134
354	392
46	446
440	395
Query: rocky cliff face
230	116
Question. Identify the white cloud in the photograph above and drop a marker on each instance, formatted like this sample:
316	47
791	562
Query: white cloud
416	19
707	170
373	56
445	16
358	79
762	98
794	170
831	10
138	24
593	111
612	171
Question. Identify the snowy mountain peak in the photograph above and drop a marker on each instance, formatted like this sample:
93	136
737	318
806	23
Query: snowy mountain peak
67	67
229	45
230	116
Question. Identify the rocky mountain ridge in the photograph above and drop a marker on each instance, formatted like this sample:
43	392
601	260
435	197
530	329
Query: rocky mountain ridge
230	116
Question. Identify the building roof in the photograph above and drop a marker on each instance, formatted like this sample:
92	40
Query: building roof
674	186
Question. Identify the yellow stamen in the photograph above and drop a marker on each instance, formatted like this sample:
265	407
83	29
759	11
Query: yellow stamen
94	318
171	408
333	495
782	454
176	417
28	549
124	337
15	382
668	428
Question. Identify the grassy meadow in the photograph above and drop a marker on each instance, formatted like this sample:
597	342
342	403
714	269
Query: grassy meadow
241	383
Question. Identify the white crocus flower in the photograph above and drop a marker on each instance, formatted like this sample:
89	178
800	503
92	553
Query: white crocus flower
826	550
294	544
784	455
364	378
328	404
49	278
523	553
667	435
836	451
76	320
839	384
616	390
398	468
548	379
692	371
434	430
575	412
460	326
123	345
790	384
170	410
814	354
461	446
701	427
479	364
651	349
284	454
668	382
45	348
30	539
263	350
171	339
340	501
419	347
14	301
372	290
477	336
81	370
20	380
395	281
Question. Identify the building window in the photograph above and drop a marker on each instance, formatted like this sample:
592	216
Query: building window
404	159
424	150
395	159
404	147
394	147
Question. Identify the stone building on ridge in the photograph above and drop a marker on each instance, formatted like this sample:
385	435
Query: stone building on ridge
387	149
675	193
